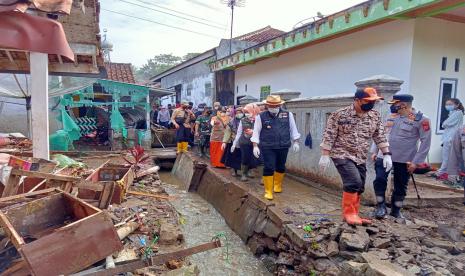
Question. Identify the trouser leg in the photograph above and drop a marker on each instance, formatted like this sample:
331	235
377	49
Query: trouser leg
352	175
381	180
281	159
401	179
269	159
446	146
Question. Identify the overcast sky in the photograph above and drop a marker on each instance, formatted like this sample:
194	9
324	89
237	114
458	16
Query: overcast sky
136	40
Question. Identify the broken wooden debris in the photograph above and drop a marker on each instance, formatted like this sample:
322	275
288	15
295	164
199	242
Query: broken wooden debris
156	260
122	177
149	195
66	222
146	172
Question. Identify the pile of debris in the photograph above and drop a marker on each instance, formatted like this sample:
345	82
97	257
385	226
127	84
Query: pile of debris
113	219
327	247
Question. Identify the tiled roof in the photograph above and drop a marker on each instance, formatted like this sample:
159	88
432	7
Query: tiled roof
260	35
121	72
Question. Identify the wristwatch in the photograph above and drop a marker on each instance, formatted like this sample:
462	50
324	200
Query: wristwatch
387	153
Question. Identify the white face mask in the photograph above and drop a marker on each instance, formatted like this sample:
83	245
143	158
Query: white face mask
274	110
248	115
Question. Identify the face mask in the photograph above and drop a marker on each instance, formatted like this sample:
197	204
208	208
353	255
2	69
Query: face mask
239	116
248	115
217	107
395	109
450	107
367	106
274	110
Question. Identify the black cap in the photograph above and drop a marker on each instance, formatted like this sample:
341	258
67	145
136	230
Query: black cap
404	98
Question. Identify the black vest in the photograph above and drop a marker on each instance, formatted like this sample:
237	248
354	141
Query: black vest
275	132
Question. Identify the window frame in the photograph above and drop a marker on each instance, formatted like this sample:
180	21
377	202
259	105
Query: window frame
443	81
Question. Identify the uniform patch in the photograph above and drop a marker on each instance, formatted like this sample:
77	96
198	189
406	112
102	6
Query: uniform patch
425	125
283	115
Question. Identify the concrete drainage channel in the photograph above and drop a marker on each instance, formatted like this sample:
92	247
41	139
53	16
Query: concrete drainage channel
201	222
288	245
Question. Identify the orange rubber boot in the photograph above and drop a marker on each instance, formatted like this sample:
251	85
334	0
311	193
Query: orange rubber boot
349	210
357	210
179	147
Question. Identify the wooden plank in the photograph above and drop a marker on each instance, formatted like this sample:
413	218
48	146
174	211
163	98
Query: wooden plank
157	260
18	198
93	186
150	195
12	234
18	269
8	54
107	194
12	185
75	246
43	175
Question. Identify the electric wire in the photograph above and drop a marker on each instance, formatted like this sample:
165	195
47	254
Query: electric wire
178	16
183	13
159	23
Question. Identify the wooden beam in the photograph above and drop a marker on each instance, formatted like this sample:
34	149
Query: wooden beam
8	54
39	105
451	17
43	175
60	60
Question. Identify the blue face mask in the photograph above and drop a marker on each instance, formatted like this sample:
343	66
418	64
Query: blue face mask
395	109
450	107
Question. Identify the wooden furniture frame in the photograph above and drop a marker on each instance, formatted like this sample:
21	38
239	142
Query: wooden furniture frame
59	233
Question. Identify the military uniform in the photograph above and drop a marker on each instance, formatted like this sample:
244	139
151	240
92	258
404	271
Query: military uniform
405	134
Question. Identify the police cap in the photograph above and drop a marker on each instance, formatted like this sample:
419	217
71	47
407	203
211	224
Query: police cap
404	98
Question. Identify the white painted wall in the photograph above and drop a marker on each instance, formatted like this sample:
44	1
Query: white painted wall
332	67
433	40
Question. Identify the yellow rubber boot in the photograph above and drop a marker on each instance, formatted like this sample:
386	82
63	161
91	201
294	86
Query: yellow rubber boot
179	147
185	145
268	183
278	182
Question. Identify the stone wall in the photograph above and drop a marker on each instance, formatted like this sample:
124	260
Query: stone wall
311	115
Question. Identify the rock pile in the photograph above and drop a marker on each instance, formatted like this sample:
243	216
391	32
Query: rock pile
384	248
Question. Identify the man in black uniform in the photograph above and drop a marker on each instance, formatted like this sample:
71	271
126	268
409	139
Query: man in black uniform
275	131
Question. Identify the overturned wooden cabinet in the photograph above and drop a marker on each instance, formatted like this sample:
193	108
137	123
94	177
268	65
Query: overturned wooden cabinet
108	184
59	234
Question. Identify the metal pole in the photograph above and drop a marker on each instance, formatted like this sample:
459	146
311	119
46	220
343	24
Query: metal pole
232	23
29	117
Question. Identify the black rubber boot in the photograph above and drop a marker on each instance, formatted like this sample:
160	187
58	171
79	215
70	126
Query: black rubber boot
381	210
244	172
396	206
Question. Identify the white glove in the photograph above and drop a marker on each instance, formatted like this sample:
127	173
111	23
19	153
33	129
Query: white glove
296	147
256	152
223	146
324	162
233	147
387	162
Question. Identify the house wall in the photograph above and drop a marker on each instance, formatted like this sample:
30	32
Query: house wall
332	67
192	78
433	40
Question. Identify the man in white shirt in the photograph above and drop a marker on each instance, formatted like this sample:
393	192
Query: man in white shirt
274	133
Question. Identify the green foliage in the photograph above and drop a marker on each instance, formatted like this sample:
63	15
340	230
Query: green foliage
159	64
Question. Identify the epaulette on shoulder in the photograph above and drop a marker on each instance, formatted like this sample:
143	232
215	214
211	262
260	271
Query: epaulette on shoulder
418	116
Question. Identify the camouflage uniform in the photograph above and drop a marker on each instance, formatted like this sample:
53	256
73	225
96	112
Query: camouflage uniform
347	137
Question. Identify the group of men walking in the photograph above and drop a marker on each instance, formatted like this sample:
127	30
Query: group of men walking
400	144
346	140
